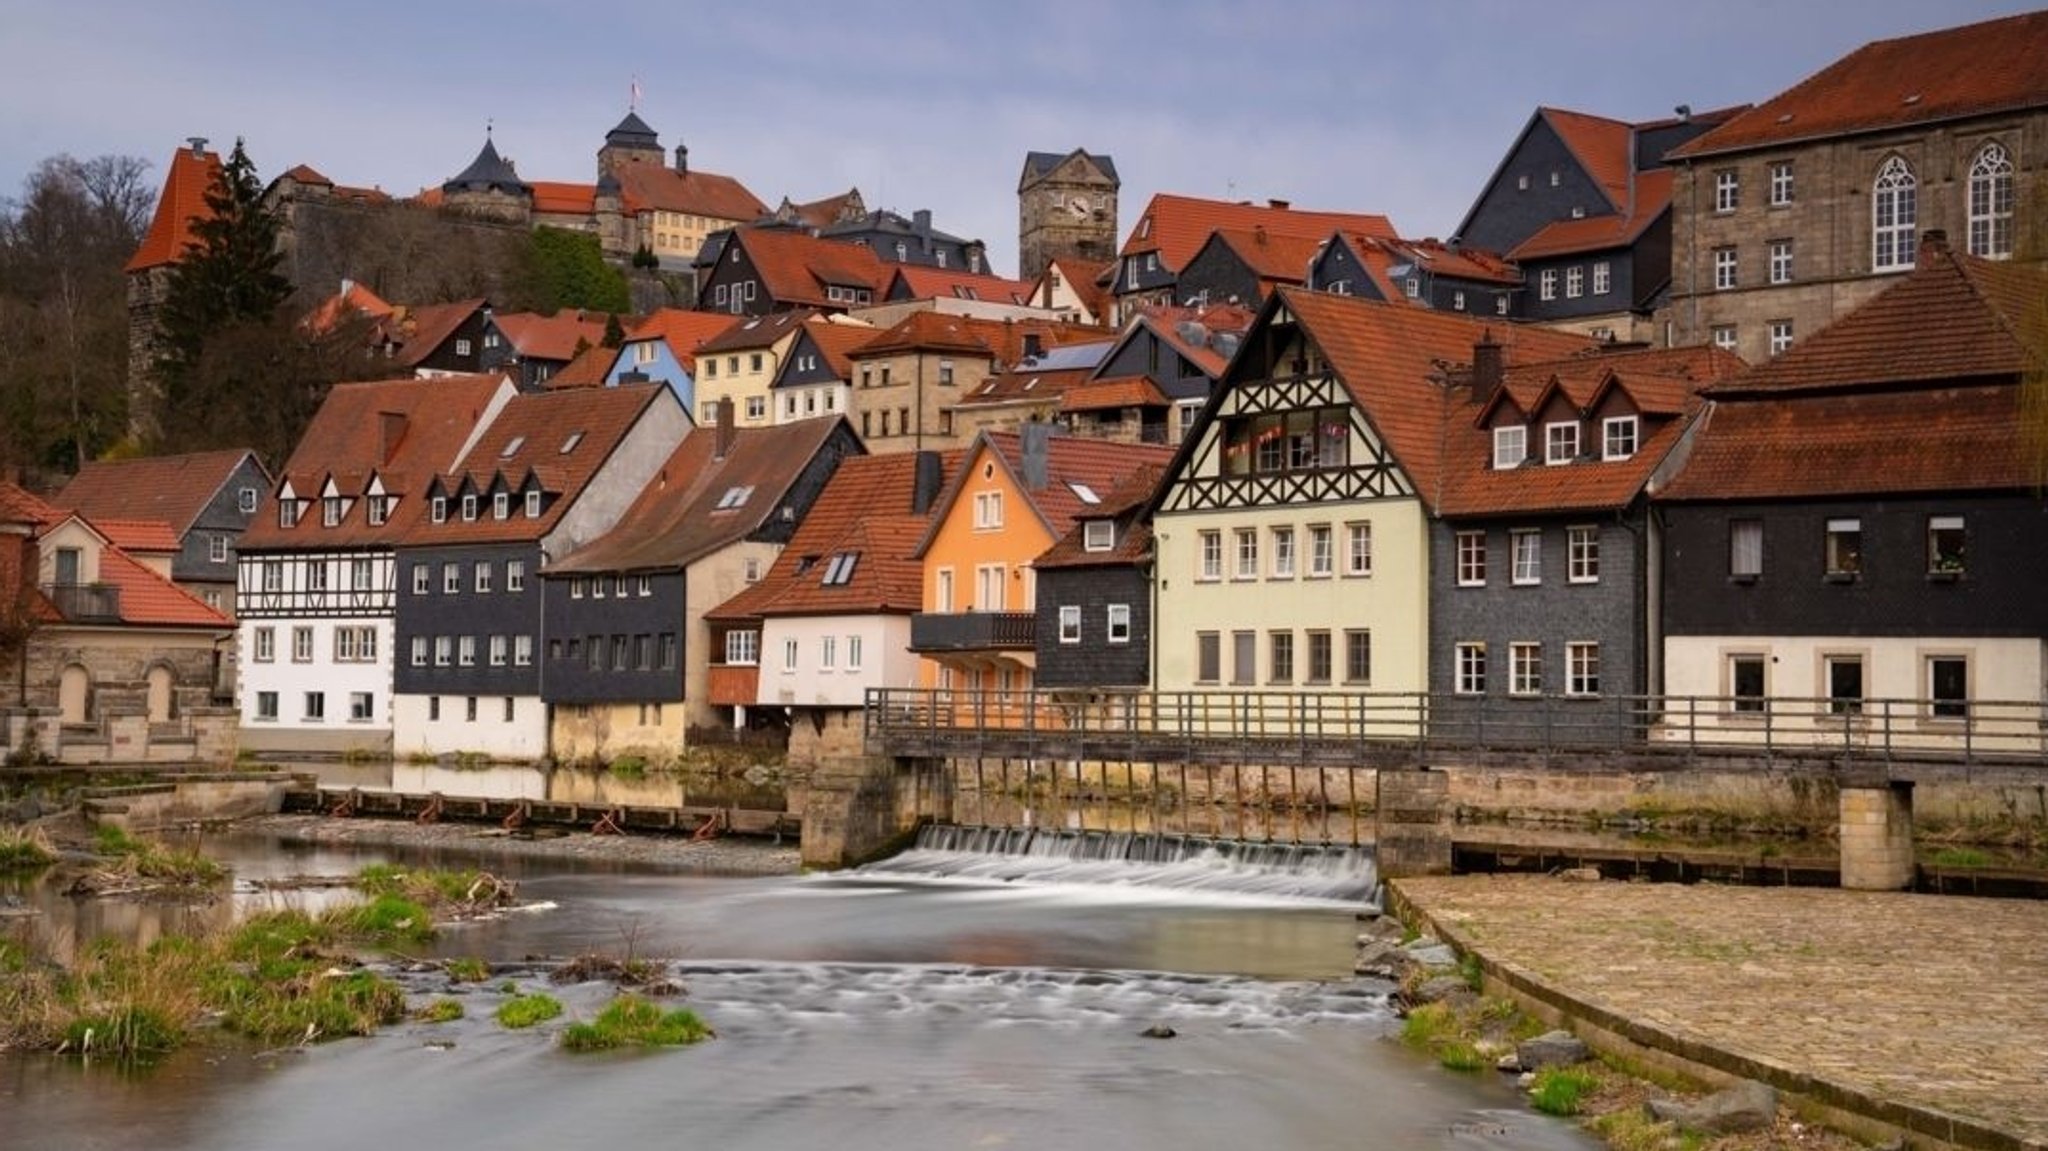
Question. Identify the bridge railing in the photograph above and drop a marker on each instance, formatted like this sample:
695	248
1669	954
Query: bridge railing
1151	724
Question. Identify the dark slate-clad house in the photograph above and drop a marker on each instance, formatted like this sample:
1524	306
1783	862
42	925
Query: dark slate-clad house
1182	351
1539	550
542	479
757	271
1445	277
207	498
1855	545
628	652
1094	625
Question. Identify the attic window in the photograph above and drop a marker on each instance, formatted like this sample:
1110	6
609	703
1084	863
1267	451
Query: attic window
1098	535
569	445
511	447
805	563
469	508
378	508
1510	446
331	510
1086	493
501	505
1618	437
533	504
439	510
840	569
734	497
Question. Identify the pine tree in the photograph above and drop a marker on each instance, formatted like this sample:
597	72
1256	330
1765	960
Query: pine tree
227	279
614	332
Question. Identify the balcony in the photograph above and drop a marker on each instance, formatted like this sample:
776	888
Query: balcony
86	602
734	685
936	632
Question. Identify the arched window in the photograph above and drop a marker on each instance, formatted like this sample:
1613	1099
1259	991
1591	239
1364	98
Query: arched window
1894	212
1991	203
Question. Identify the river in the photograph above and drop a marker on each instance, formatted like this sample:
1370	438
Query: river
877	1009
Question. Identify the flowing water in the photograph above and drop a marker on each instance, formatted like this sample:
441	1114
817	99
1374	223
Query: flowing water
952	998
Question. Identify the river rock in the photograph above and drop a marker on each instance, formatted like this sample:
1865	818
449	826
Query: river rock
1551	1049
1380	927
1451	989
1383	958
1430	952
1158	1031
1747	1106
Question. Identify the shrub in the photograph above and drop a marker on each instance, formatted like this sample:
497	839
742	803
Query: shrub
1561	1090
1428	1025
630	1021
528	1010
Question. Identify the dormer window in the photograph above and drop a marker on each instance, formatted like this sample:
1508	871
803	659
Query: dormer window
1510	446
501	505
246	500
377	509
1560	442
331	508
1098	535
438	510
469	508
1618	438
533	504
287	512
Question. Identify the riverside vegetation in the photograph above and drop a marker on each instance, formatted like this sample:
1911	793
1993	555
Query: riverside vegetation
277	977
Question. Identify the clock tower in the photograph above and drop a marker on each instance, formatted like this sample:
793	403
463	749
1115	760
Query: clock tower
1066	208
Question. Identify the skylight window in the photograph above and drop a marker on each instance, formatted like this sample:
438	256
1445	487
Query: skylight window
734	497
839	570
569	445
1086	493
511	447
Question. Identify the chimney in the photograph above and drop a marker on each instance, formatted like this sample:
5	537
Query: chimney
1034	346
1934	242
682	159
1487	367
1036	437
390	433
921	223
926	482
724	433
1259	234
1279	205
198	146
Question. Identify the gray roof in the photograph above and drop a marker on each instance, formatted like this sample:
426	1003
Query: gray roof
1039	164
633	131
488	170
1067	357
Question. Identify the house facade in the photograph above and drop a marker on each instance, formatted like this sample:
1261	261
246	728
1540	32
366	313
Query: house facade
1447	278
758	271
1093	625
1173	230
739	367
207	499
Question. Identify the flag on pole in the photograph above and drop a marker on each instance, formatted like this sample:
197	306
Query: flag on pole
633	104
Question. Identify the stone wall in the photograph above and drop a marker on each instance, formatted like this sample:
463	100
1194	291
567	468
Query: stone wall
818	735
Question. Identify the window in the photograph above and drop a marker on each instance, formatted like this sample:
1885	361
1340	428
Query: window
451	578
1894	216
1070	623
509	711
1618	437
434	708
989	587
497	651
1844	547
302	645
377	509
245	500
533	504
828	652
1247	553
1098	535
359	574
1458	301
437	509
1582	552
644	586
1357	656
355	645
576	587
522	650
1526	555
853	643
266	705
515	575
1300	440
316	576
1843	676
1724	269
469	708
1945	545
1244	656
1471	559
266	644
1560	442
316	706
1727	190
742	648
1500	304
1470	669
330	511
1574	282
1582	668
1510	446
1781	336
360	707
462	347
444	650
621	652
594	652
1948	687
217	549
988	510
1781	261
788	655
1280	668
1283	553
1781	183
757	407
1745	548
465	651
1746	683
1547	284
483	576
1603	278
1321	551
1991	203
501	505
1211	556
1525	669
1319	657
1208	657
1724	336
1358	549
273	575
469	508
1117	623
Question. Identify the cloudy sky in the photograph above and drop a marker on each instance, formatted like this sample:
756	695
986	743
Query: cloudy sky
1336	104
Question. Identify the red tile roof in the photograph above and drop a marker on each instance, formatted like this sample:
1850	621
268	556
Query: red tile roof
420	331
554	337
1087	280
305	174
797	268
653	187
753	333
401	432
353	300
1025	386
1133	535
1597	233
683	330
138	535
866	508
1972	70
837	341
923	283
678	518
1382	256
182	201
1165	321
587	370
1604	148
1274	258
1177	226
1003	340
150	600
18	505
1071	464
1119	392
1391	357
557	198
170	489
830	210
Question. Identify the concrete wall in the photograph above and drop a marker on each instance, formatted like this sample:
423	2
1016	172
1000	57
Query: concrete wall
418	730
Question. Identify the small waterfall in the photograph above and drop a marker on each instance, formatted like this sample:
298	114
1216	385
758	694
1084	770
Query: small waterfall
1128	859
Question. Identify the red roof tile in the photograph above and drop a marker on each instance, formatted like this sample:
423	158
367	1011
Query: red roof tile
837	341
1381	256
1971	70
1165	321
557	198
182	201
754	333
1273	257
796	268
683	330
170	489
924	283
353	300
305	174
555	337
653	187
1087	280
1120	392
1025	385
1597	233
18	505
420	331
138	535
150	600
1072	464
1003	340
587	370
1604	148
1133	535
1177	226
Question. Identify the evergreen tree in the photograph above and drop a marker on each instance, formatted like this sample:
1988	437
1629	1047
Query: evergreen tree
614	332
227	280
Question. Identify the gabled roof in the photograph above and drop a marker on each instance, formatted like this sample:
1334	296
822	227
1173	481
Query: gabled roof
1072	463
684	330
353	300
564	199
1165	322
927	283
562	438
864	509
182	201
836	341
653	187
633	131
682	515
1024	385
1084	278
146	599
1133	534
1272	257
1381	257
18	505
170	489
1601	146
588	370
751	333
421	331
1652	199
1001	340
1038	165
826	212
401	432
555	337
796	269
1177	226
1115	393
149	600
139	535
1972	70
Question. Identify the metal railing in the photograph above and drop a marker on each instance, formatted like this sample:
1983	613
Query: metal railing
86	602
972	630
1363	726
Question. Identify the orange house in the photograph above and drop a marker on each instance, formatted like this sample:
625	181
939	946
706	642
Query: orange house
1014	496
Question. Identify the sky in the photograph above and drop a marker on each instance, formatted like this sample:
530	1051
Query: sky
1342	105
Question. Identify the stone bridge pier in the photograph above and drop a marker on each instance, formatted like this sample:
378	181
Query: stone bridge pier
1413	809
863	807
1877	835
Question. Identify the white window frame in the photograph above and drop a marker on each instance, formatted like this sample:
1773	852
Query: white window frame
419	650
1469	669
266	645
465	651
533	504
498	651
1546	282
1247	555
1724	337
1782	186
1525	669
742	648
789	656
1510	446
1098	535
1781	261
1322	551
1560	442
515	575
1727	269
1471	558
1603	277
451	578
1990	202
302	645
1745	548
1117	623
1070	623
1727	190
1283	553
1582	669
1582	553
1574	282
522	651
1781	336
1358	550
481	578
988	511
217	549
1894	216
1525	553
1209	555
444	651
1620	437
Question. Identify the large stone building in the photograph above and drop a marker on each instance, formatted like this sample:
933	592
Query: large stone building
1807	205
1066	208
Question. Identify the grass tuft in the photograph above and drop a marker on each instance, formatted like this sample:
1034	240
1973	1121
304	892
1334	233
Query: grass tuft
440	1011
630	1021
24	849
528	1010
1562	1090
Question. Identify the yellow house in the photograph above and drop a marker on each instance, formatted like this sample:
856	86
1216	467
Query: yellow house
740	365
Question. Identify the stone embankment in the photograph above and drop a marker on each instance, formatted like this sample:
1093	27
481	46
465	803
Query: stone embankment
708	856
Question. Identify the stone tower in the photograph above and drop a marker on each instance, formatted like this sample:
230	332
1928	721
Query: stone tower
632	142
489	189
1066	208
192	172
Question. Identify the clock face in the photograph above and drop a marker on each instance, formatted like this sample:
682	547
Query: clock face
1079	204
